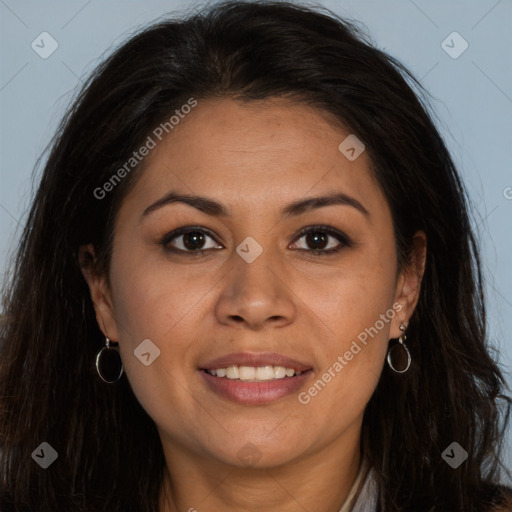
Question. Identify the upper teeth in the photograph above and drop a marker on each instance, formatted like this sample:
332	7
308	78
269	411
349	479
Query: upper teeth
254	373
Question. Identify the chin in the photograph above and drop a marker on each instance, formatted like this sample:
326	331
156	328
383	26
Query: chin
251	454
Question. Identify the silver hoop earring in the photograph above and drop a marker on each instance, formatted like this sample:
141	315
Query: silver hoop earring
403	353
108	363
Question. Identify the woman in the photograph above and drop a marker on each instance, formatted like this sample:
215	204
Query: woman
248	281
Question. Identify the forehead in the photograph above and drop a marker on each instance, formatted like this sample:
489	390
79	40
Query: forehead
256	154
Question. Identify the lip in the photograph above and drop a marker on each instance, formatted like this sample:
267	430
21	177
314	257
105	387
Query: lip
255	393
255	359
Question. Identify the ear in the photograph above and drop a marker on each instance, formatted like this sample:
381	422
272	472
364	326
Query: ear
100	292
408	284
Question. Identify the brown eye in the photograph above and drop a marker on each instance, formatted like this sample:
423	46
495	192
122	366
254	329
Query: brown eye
193	240
317	240
320	239
188	239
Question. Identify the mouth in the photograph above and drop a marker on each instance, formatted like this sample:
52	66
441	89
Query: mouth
255	378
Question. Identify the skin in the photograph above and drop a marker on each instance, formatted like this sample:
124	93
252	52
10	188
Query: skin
305	306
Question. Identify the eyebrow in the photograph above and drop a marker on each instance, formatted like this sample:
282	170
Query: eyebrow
216	209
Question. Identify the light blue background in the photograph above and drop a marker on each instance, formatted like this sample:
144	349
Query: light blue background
473	99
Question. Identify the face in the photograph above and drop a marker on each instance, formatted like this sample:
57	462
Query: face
247	284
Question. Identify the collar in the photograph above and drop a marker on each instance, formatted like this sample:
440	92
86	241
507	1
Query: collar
364	492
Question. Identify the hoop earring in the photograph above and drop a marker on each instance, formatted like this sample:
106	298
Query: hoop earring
108	363
404	352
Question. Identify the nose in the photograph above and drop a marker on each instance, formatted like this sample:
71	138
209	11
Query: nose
257	294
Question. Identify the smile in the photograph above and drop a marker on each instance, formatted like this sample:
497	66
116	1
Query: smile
256	391
254	373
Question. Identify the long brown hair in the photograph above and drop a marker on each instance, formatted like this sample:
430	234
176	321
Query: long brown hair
109	453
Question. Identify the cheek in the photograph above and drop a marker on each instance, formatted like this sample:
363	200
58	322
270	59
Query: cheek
154	298
358	308
354	295
150	305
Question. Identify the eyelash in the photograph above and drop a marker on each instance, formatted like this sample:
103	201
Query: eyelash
339	235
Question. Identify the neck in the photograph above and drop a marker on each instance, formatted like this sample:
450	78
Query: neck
320	481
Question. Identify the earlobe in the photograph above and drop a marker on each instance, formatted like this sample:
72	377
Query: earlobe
99	292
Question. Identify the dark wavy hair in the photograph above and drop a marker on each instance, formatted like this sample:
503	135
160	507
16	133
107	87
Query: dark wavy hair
110	456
